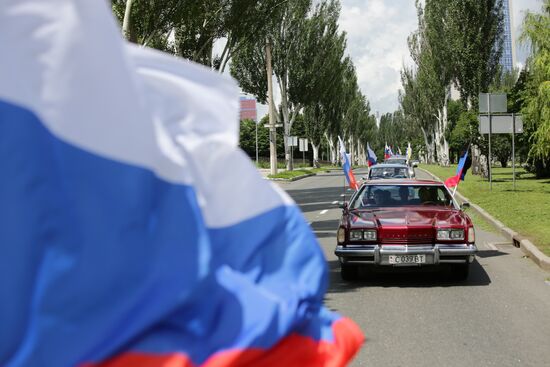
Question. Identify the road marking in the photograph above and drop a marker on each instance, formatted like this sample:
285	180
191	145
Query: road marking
323	211
335	202
342	194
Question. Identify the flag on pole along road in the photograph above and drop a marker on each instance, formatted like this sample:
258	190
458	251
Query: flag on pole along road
120	244
346	165
371	156
409	151
387	152
463	165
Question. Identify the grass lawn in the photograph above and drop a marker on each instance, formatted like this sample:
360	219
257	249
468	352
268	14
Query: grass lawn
296	173
526	210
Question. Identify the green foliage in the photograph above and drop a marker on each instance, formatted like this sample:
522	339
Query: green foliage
536	108
524	210
464	133
197	25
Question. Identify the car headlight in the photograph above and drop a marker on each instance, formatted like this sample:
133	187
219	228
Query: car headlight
369	235
471	235
450	234
363	235
341	235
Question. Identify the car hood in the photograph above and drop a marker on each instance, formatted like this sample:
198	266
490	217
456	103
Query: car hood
407	217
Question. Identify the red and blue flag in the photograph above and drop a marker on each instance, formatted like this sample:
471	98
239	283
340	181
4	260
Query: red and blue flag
463	165
119	246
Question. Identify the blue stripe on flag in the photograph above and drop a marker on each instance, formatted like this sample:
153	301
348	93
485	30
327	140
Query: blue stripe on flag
111	257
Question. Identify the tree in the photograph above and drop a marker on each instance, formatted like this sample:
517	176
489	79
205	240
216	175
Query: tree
196	25
476	29
536	108
457	41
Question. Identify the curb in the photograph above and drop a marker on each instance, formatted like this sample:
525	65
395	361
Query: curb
291	179
528	248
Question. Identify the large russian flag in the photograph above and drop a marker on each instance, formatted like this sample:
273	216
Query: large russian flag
134	232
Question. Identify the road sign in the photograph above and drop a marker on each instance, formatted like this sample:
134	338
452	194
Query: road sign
497	102
501	124
303	145
292	141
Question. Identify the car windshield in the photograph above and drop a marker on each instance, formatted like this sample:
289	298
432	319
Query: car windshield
388	172
373	196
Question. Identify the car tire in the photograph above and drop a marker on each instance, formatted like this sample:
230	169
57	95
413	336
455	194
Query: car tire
460	272
348	272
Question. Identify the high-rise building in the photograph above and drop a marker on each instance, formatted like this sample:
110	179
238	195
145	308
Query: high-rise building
508	52
248	108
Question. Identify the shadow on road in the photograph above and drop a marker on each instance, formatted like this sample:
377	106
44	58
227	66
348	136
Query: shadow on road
404	278
490	253
325	225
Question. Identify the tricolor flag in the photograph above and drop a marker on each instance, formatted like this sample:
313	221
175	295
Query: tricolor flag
463	165
120	244
387	152
346	165
371	156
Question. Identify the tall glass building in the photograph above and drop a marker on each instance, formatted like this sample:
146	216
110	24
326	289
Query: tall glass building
508	52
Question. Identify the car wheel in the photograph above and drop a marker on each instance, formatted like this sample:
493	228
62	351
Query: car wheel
460	272
348	272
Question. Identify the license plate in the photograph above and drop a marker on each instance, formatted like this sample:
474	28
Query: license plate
407	259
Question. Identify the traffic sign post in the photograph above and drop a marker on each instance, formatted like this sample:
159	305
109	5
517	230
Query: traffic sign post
303	146
502	123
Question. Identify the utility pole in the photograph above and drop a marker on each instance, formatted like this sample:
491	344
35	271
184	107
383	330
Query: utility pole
272	126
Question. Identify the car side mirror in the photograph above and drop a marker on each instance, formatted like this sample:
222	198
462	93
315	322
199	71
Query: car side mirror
465	205
343	205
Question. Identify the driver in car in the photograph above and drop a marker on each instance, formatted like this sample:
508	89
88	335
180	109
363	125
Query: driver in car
427	195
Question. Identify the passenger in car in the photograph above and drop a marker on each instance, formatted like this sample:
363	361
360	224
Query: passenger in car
428	195
404	195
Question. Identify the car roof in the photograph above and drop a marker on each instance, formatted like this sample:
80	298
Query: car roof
390	165
404	181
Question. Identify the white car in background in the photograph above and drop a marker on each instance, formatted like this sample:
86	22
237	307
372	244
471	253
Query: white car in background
389	171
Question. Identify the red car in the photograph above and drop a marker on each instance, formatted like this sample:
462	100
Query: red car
404	223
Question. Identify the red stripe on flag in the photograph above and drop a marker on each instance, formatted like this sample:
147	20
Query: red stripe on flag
294	350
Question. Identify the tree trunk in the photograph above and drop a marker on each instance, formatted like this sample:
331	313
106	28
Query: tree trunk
127	22
333	159
315	148
429	146
441	141
286	121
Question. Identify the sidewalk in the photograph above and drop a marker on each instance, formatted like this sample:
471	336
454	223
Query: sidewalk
266	171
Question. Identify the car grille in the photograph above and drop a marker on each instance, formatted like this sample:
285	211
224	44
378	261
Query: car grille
412	236
406	241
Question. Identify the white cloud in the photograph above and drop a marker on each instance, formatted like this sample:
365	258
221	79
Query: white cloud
519	8
377	42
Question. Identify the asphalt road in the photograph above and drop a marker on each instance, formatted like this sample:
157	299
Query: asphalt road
499	317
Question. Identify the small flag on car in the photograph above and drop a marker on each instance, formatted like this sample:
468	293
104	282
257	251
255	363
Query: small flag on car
463	165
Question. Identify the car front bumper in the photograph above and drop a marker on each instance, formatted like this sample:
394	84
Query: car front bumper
379	255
